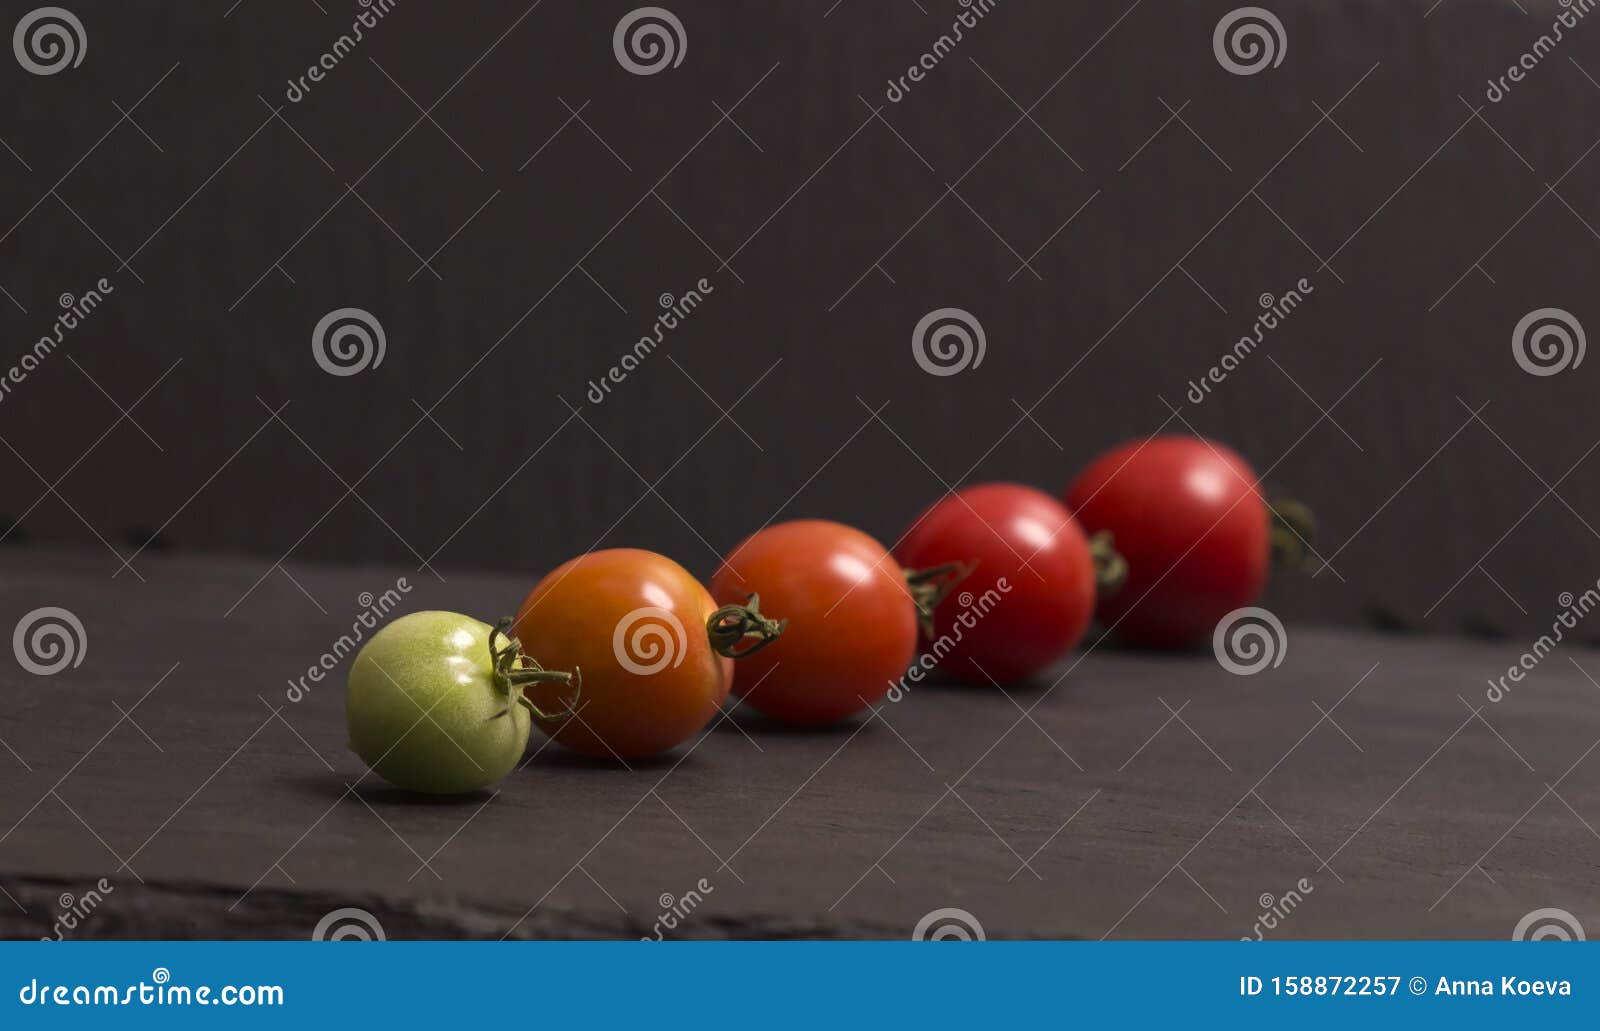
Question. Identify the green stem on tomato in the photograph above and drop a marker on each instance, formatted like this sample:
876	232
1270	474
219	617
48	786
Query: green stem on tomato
933	585
513	671
1294	527
730	626
1110	568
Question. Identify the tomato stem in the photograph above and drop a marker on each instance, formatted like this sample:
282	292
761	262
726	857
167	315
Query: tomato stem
933	585
513	671
1110	568
1294	527
730	625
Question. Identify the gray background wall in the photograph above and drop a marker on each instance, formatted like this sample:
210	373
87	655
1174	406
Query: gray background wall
827	232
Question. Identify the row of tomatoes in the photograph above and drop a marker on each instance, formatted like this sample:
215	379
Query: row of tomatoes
622	653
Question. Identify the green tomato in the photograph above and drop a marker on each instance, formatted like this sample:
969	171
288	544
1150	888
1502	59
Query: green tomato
435	704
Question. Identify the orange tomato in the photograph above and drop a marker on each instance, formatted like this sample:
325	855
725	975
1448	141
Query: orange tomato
852	620
635	624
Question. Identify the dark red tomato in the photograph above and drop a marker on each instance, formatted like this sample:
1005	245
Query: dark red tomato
1188	517
852	623
1031	591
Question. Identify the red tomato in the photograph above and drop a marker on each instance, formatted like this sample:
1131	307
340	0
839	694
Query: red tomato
852	623
634	623
1188	516
1031	591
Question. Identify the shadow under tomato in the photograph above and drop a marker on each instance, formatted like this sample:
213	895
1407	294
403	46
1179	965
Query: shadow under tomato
556	757
758	724
1116	645
942	684
375	792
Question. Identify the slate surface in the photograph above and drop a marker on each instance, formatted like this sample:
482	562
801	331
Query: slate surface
1150	796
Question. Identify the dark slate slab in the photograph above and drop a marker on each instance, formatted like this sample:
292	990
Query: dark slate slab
1149	796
